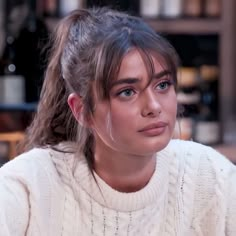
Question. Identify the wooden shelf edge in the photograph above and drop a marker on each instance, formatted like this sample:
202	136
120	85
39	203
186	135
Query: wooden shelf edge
19	107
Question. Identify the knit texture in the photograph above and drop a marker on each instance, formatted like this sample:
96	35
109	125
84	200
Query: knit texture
45	192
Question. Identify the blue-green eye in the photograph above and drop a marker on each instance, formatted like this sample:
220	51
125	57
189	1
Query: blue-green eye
126	93
164	85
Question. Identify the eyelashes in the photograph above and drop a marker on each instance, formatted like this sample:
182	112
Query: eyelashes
164	85
161	87
128	92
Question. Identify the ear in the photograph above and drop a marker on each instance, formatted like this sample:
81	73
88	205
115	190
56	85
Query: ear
76	105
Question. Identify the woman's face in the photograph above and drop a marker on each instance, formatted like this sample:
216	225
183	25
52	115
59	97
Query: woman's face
138	119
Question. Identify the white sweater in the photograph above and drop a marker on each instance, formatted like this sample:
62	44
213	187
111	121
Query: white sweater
192	192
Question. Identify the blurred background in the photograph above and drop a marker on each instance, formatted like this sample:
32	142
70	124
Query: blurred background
202	31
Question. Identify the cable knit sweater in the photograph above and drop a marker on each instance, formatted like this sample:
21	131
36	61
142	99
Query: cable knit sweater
46	192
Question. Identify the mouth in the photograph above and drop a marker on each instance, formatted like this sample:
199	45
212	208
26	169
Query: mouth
154	129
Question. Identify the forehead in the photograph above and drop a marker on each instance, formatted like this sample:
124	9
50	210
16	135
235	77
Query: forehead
136	61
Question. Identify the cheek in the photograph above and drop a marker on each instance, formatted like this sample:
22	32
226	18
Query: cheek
171	106
120	118
123	119
174	105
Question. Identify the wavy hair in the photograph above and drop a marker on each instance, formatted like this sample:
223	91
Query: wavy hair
88	47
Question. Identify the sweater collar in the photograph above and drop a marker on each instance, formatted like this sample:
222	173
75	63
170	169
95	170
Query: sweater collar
75	172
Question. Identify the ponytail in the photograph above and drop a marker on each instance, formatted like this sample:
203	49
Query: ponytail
53	122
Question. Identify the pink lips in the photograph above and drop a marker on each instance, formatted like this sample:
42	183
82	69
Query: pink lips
154	129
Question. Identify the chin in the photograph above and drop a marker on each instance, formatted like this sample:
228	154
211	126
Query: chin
151	149
159	145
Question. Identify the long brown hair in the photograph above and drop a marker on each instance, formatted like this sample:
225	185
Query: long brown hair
88	47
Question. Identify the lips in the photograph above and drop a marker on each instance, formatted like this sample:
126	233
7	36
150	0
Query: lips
153	126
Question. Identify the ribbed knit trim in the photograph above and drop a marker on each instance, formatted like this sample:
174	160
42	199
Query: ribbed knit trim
108	197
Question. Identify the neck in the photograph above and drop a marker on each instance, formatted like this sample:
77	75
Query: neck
125	173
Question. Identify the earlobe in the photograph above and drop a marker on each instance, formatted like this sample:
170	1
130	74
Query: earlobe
76	105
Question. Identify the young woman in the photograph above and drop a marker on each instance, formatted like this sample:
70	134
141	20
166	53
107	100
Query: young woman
100	158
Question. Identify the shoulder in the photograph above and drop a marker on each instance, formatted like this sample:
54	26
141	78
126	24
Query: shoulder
40	164
190	146
31	188
29	174
30	167
27	160
208	164
210	173
199	151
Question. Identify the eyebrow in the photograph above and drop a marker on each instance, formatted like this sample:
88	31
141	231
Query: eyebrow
135	80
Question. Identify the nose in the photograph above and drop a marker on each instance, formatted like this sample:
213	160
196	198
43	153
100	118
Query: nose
150	104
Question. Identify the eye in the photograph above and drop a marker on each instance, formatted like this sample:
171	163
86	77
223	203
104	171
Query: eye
163	85
126	93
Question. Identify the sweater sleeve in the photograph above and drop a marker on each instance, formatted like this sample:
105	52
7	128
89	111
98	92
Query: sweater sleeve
231	204
14	206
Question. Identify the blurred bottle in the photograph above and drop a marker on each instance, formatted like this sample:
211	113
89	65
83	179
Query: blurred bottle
12	82
193	8
2	27
30	37
66	6
212	8
188	97
207	129
150	8
48	8
172	8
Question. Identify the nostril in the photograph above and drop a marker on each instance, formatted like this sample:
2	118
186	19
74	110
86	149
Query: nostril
151	113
